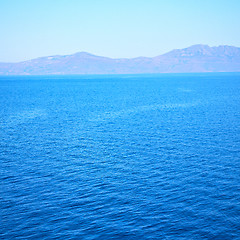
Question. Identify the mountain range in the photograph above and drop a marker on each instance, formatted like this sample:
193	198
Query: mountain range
197	58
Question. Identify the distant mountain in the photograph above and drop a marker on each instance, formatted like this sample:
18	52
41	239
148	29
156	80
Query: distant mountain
197	58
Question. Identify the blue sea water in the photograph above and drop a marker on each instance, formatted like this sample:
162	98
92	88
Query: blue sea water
120	157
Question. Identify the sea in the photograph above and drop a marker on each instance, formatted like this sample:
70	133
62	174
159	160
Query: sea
151	156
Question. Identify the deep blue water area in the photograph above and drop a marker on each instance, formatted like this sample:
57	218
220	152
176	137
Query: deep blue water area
120	157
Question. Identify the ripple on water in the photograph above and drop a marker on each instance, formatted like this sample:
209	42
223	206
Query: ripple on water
120	158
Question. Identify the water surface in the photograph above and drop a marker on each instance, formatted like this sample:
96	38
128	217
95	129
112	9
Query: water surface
120	157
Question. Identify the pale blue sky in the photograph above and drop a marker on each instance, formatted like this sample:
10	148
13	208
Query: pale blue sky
124	28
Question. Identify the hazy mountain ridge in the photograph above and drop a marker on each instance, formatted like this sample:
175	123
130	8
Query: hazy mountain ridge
197	58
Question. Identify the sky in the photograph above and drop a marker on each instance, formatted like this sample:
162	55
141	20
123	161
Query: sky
111	28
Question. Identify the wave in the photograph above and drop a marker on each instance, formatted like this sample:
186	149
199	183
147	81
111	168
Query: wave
124	113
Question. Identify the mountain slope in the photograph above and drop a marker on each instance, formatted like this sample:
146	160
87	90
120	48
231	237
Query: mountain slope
197	58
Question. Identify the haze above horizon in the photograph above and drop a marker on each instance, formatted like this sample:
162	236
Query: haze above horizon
123	29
